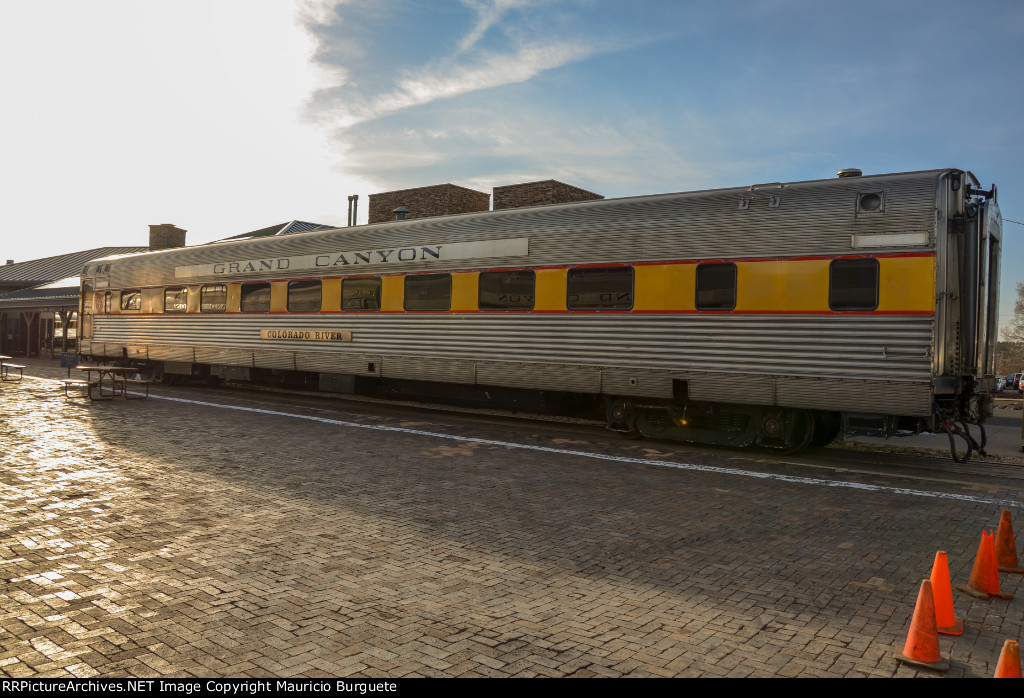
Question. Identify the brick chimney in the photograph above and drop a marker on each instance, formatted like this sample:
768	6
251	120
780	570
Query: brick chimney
164	236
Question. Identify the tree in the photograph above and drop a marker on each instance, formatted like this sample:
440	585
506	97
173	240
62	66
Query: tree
1014	332
1009	358
1010	352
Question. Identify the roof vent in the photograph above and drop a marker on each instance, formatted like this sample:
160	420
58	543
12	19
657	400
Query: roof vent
849	172
10	261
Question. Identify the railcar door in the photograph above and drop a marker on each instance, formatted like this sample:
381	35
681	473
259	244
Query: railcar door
982	235
967	285
991	248
85	311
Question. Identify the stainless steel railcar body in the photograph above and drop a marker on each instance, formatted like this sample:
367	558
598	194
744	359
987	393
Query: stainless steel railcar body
666	366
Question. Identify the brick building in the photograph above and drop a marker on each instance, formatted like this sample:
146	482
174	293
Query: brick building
425	202
548	191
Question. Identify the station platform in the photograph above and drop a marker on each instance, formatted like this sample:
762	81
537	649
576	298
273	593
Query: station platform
226	533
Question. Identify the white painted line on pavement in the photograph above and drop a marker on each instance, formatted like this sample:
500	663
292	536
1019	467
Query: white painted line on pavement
602	456
617	459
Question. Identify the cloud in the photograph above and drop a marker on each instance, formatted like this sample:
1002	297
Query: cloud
372	64
509	140
488	14
410	106
448	80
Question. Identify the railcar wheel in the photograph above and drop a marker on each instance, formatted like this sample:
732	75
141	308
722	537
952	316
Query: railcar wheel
953	430
622	420
826	429
799	437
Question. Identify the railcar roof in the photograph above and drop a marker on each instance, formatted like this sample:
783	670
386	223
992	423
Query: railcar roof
229	243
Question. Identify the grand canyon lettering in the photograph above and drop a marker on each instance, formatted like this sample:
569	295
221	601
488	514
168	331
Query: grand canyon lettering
327	261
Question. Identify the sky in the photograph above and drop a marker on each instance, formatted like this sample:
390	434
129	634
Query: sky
225	116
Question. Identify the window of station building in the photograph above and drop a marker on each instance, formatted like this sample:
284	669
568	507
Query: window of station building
853	284
303	296
131	299
175	300
507	290
428	292
600	288
360	294
213	299
716	287
256	298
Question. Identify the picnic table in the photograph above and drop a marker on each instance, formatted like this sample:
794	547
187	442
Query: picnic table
6	367
116	376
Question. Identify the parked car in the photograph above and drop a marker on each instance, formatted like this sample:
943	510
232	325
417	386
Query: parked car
1000	384
1013	381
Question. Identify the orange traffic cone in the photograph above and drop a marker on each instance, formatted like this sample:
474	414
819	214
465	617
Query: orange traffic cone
984	582
1006	546
922	646
942	592
1009	661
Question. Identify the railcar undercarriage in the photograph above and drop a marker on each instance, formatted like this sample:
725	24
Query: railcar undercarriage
955	414
781	429
785	430
790	430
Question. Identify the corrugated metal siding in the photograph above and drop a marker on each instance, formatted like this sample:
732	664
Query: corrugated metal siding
887	347
165	352
427	368
813	218
333	362
736	387
636	381
569	352
269	358
223	356
873	397
572	378
137	352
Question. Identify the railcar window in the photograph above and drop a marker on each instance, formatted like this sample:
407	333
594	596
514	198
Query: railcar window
716	287
507	290
213	299
131	299
601	288
428	292
853	284
360	294
256	298
303	296
106	302
175	300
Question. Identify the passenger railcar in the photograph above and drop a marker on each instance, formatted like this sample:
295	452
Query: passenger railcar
776	314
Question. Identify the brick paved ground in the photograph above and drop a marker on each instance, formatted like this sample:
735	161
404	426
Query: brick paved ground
163	538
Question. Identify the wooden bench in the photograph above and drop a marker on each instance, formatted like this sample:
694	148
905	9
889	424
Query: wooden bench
79	383
5	372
